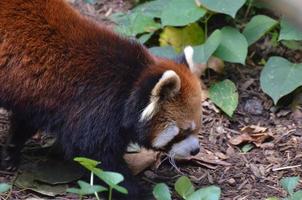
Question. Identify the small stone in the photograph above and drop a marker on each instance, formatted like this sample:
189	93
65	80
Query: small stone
231	182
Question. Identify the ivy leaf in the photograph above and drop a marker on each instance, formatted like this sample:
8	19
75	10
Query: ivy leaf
181	13
207	193
161	192
257	27
224	94
203	52
290	183
279	77
233	46
229	7
289	31
179	38
184	187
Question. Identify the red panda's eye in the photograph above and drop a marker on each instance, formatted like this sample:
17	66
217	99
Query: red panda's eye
187	131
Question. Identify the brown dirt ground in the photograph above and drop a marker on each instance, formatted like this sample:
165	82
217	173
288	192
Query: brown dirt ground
242	176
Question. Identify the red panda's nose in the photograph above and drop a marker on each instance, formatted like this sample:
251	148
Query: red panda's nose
195	152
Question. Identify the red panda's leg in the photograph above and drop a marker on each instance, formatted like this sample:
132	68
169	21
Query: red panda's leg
20	132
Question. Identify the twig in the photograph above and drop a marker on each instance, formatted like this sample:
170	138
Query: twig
284	168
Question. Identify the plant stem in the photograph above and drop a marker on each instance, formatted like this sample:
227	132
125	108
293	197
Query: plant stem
248	9
206	25
91	183
110	193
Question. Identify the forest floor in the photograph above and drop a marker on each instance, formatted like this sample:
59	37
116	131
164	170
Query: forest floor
276	149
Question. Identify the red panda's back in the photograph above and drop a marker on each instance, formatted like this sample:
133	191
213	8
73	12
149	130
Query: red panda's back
48	51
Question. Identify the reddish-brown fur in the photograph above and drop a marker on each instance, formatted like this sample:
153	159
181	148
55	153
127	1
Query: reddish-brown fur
67	75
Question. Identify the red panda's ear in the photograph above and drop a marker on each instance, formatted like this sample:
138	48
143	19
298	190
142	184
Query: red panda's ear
195	68
166	88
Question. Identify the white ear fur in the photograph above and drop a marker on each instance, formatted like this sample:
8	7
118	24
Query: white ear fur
189	51
196	69
167	87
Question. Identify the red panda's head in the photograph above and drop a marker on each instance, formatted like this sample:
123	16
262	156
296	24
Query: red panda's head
168	108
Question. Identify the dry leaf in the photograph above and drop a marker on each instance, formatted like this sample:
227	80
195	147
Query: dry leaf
252	133
209	159
138	162
216	64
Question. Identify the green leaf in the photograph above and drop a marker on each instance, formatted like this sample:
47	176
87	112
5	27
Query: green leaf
233	46
161	192
111	178
279	77
90	1
181	13
134	23
4	187
292	44
247	147
86	162
184	187
297	195
289	31
272	198
153	8
203	52
257	27
164	52
208	193
225	96
86	189
290	183
145	37
229	7
179	38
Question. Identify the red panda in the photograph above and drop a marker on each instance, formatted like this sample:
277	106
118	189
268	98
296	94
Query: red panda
94	90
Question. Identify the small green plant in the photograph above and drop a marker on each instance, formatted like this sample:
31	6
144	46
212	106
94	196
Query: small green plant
289	184
185	189
112	179
4	187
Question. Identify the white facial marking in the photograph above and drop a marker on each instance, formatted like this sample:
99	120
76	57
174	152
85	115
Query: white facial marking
184	148
193	125
152	107
165	136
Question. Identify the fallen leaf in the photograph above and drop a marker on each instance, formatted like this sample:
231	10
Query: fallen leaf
48	177
255	134
216	64
140	161
203	157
